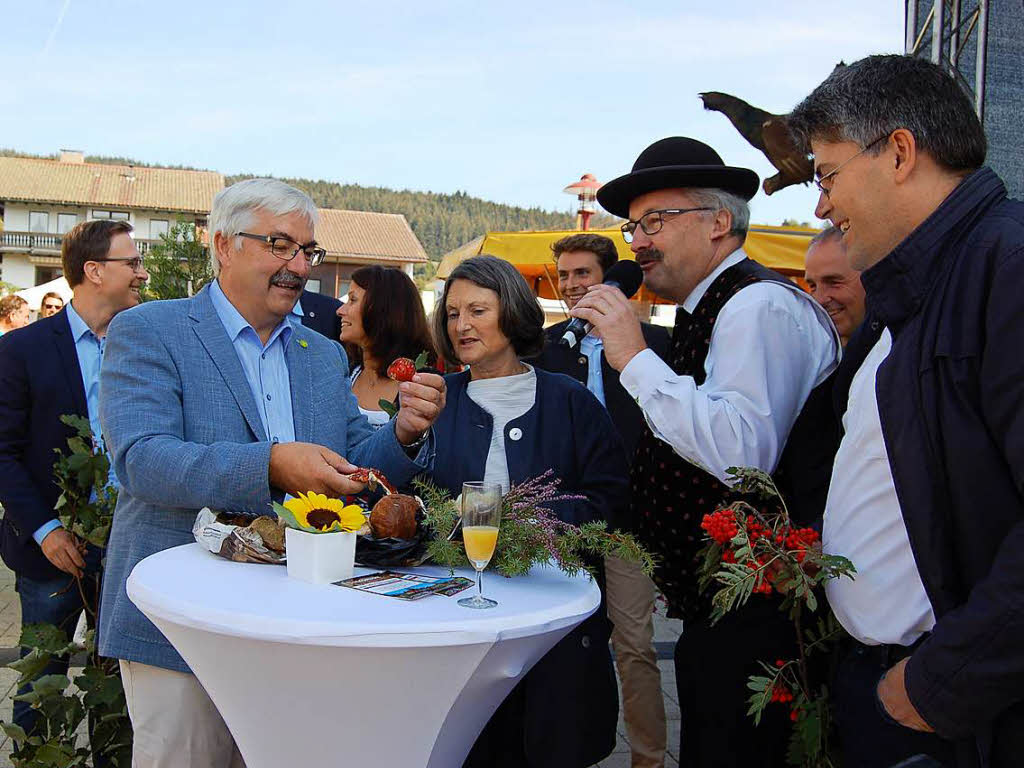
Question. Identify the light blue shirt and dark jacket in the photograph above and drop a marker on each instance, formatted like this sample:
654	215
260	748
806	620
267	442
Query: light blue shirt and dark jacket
191	403
89	350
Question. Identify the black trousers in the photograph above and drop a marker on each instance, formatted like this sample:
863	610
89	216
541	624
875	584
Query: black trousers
868	737
712	666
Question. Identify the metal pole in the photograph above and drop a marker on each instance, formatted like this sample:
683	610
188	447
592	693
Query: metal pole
937	23
979	69
954	31
911	25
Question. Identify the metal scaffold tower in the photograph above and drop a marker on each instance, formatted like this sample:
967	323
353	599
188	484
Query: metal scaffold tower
944	31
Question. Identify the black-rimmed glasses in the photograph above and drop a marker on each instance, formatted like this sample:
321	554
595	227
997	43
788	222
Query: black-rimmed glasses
819	183
287	249
136	263
652	221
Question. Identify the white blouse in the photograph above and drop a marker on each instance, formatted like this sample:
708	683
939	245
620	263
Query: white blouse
504	398
377	419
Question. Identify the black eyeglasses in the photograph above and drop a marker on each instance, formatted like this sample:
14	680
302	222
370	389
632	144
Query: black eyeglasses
819	183
53	306
287	249
652	221
136	263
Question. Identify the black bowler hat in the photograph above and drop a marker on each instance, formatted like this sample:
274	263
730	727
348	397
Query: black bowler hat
675	162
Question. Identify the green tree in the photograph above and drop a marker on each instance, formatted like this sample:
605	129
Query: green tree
179	265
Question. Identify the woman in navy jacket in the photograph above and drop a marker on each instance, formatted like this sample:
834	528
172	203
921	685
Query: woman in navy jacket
506	422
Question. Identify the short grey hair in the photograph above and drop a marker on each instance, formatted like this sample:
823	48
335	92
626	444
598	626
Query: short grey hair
720	200
825	235
234	208
520	317
867	100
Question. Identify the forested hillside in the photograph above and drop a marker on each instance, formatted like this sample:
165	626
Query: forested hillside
442	222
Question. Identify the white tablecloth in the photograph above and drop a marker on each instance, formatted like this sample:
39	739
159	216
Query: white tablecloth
319	675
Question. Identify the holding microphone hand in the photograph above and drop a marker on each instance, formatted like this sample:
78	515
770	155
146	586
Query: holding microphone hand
608	310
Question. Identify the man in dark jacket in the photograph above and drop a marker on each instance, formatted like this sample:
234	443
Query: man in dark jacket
581	261
927	492
320	313
48	369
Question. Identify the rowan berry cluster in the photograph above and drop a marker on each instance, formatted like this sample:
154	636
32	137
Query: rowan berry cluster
723	525
720	526
781	694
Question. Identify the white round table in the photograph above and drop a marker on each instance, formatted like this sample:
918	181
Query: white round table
320	675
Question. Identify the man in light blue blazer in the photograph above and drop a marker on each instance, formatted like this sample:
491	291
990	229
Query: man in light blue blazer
219	400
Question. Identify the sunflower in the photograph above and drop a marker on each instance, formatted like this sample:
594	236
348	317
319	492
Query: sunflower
316	513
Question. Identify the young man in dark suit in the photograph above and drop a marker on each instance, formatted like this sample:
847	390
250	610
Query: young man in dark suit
48	369
582	261
320	313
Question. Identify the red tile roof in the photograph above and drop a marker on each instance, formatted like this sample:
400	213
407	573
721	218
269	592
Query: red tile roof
369	236
114	186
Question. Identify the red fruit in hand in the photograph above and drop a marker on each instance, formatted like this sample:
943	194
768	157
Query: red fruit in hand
403	369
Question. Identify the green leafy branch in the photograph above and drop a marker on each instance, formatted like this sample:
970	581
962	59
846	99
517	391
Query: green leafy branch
755	551
97	693
530	533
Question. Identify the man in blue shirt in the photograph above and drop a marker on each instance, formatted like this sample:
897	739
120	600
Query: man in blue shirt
222	401
48	369
582	261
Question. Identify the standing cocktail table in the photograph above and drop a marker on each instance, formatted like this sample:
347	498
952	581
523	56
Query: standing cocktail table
319	675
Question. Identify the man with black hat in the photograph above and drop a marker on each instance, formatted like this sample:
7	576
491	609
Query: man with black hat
749	352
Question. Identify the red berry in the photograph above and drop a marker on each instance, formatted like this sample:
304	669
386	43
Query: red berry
402	369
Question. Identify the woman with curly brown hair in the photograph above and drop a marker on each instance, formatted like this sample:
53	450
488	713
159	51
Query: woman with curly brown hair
382	320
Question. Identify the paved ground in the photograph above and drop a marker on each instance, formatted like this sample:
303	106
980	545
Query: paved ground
666	632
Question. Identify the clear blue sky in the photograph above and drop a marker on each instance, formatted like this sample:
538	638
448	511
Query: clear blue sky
509	102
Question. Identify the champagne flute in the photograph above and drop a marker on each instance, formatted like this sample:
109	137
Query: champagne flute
481	516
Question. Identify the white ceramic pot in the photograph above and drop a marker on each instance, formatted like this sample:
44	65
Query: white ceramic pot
320	558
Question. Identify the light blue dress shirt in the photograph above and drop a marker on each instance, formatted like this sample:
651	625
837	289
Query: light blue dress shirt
593	348
265	366
90	355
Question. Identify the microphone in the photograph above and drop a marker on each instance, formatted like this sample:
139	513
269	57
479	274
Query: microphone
624	275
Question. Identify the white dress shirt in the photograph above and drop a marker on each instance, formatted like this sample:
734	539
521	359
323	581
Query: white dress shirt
770	346
885	603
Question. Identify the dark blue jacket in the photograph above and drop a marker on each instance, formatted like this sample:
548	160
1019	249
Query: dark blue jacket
567	430
39	382
320	313
625	413
951	402
565	709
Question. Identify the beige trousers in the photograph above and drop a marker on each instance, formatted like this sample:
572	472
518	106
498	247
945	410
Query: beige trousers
176	725
630	597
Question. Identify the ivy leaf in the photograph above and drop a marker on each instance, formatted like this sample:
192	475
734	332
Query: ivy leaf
44	686
15	732
44	637
30	665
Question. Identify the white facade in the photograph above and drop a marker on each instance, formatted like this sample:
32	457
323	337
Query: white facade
18	271
17	267
58	219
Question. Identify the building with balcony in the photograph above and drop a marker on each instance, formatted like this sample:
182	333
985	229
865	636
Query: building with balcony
42	199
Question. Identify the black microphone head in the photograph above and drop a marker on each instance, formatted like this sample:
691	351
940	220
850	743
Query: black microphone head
628	276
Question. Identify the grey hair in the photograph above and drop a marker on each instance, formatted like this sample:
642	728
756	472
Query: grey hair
825	235
520	317
234	208
720	200
867	100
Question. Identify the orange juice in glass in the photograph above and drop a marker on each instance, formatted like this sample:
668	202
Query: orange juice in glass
481	518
